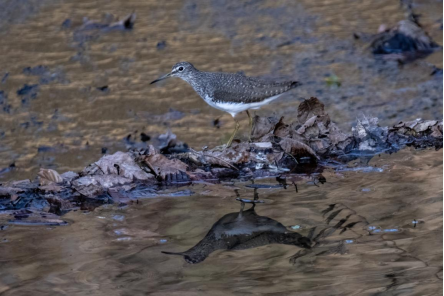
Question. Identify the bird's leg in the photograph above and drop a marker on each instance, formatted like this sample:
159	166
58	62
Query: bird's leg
241	209
251	125
234	133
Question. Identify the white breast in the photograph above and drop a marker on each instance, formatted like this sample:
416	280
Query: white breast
234	108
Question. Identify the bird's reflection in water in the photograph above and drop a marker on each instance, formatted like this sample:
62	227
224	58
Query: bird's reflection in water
243	230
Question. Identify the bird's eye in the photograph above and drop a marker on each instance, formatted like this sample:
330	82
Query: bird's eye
180	69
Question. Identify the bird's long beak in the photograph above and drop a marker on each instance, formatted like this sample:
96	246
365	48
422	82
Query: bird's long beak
174	253
161	78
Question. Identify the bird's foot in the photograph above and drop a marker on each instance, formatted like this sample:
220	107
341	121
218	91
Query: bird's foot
246	200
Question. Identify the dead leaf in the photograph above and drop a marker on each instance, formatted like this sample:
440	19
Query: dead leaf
163	167
309	108
425	125
297	148
48	176
69	176
238	153
320	145
122	164
59	203
92	186
336	136
262	127
281	129
436	132
51	188
310	123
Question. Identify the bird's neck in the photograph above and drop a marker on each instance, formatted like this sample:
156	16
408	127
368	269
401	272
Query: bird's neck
196	81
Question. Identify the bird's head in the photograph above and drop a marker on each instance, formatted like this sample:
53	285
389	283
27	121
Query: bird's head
182	70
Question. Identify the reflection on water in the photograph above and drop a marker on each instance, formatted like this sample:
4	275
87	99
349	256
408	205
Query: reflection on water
68	95
384	240
242	230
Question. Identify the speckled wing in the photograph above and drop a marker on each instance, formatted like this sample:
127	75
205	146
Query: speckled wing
239	88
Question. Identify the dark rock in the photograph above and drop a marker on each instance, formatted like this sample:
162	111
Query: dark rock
66	24
161	45
28	92
216	123
436	71
104	88
144	137
404	42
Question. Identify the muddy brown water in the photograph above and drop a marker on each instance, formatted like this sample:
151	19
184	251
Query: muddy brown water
65	122
395	249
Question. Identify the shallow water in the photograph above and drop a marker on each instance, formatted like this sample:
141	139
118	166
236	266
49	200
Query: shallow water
69	121
392	206
394	248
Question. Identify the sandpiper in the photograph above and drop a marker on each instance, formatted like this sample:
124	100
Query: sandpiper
230	92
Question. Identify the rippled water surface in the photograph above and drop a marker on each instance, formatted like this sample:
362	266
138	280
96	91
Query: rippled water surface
375	229
378	233
95	90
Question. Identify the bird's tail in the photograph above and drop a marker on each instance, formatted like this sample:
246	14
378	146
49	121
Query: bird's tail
295	84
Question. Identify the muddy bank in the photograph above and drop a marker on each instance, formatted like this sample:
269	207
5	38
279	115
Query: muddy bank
305	147
92	91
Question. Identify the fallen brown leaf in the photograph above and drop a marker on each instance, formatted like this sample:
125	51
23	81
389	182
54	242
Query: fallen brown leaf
48	176
297	148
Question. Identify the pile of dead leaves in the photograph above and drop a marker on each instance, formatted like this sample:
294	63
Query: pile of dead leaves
277	148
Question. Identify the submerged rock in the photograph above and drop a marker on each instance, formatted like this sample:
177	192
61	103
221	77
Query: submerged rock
126	23
28	92
405	42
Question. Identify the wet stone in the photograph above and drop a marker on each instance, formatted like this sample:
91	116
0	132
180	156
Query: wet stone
144	137
104	88
161	45
66	24
28	92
